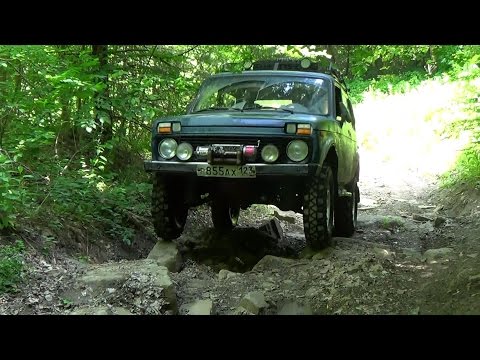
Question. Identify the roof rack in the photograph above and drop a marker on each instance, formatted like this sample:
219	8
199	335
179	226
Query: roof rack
304	64
326	66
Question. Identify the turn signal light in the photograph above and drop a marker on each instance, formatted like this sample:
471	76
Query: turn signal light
304	129
168	127
164	128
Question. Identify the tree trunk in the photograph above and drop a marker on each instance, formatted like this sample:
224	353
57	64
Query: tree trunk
103	111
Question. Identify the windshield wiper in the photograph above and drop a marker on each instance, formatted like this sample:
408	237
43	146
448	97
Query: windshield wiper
214	108
271	108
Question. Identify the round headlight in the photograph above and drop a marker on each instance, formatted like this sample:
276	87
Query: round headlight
270	153
184	151
167	148
297	150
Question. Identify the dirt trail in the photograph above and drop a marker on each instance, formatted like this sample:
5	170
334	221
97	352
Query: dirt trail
413	253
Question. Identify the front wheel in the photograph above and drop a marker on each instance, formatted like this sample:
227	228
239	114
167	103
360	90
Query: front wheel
168	213
318	203
224	215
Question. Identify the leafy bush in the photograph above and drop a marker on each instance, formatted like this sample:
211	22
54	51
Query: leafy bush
11	265
10	191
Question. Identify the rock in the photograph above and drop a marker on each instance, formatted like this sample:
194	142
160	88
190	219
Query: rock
426	206
268	285
292	308
312	292
273	229
48	297
254	302
307	253
166	254
240	311
101	310
474	278
376	268
120	311
325	253
422	218
271	262
382	253
412	254
226	274
199	307
381	221
288	216
438	254
114	275
439	221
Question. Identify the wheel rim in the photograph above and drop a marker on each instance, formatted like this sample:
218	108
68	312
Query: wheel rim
179	217
354	207
328	206
234	212
329	211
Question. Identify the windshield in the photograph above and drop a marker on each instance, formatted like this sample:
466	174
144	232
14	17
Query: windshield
242	93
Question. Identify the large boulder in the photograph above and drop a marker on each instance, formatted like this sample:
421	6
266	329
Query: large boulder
142	280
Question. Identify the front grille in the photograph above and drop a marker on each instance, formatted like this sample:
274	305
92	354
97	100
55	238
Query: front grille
280	142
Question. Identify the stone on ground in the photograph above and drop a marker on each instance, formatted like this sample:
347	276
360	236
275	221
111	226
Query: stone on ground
292	308
101	310
438	254
288	216
115	275
273	229
254	302
269	262
226	274
166	254
199	307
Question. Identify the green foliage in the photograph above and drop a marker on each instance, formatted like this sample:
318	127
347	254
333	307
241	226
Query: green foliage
11	265
466	170
11	193
390	223
97	201
75	120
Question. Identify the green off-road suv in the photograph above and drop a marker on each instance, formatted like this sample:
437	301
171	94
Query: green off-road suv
282	133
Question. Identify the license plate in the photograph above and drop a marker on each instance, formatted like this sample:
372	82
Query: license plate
228	171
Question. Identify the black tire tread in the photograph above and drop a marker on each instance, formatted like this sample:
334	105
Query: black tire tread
344	222
314	216
163	219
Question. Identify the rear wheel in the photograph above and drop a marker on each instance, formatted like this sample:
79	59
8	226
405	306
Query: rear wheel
346	213
224	214
169	214
318	212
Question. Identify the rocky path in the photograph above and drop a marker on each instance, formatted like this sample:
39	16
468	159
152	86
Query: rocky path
410	255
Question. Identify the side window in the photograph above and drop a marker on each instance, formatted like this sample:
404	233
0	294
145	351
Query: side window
348	106
338	101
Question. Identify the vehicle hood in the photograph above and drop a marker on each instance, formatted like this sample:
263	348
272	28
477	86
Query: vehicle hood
241	122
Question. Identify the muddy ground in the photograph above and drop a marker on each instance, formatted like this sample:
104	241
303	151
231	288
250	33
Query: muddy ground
416	251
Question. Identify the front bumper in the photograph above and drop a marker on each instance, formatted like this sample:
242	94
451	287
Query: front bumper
182	168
